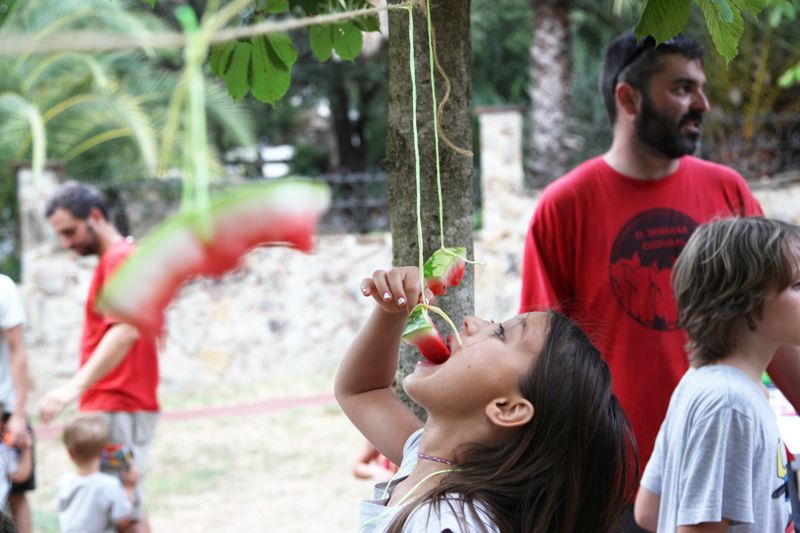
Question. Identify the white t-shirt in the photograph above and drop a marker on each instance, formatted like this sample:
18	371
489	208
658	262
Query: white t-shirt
375	516
12	313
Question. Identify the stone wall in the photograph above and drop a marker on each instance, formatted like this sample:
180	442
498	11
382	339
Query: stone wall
283	312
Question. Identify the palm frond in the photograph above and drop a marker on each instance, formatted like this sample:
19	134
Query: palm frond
14	103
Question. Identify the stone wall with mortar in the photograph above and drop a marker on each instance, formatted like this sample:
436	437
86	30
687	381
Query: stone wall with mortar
282	312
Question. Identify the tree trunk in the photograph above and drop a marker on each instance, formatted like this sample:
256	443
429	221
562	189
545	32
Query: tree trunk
550	137
451	25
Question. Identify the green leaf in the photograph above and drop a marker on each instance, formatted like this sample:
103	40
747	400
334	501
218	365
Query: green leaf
790	77
272	6
725	35
151	2
214	59
367	22
321	40
221	63
753	6
271	77
663	19
347	41
236	78
725	13
311	7
283	47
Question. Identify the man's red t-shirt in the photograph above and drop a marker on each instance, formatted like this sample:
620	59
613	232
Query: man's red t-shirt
131	386
600	248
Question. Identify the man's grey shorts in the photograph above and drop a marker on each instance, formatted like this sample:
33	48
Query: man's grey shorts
135	430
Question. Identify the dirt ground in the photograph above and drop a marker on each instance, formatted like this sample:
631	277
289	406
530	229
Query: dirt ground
283	468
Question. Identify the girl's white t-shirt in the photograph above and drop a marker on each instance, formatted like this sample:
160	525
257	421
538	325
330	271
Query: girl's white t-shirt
375	516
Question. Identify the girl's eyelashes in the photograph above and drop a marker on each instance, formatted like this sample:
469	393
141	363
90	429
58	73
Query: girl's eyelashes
501	332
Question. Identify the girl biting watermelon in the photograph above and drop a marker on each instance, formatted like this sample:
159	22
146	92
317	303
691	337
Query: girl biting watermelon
523	432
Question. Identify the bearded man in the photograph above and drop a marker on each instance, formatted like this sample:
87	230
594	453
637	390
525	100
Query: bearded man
118	367
603	239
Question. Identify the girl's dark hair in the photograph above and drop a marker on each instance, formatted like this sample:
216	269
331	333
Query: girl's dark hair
571	469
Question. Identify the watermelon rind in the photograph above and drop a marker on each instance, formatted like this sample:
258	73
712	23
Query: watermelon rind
178	248
442	260
418	323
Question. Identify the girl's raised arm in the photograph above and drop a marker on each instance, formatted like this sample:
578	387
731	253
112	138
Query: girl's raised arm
364	381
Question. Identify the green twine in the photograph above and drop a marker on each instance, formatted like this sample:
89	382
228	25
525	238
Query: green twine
435	125
196	160
412	70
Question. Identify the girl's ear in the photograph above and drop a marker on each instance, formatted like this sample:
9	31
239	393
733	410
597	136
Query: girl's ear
510	412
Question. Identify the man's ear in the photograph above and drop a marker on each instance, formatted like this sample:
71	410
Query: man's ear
96	216
627	98
509	412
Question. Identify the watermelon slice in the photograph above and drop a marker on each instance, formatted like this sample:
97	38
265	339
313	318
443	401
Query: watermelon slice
280	212
445	268
422	333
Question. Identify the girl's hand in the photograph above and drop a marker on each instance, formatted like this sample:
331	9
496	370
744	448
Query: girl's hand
396	291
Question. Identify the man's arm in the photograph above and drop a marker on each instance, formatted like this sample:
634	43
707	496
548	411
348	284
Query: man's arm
18	424
113	348
784	370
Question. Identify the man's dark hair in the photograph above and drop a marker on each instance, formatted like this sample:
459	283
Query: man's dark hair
77	198
635	62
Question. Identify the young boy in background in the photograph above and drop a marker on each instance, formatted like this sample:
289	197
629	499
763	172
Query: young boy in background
91	501
719	461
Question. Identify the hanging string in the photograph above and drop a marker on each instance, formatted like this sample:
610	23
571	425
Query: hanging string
435	126
436	115
413	73
88	41
447	86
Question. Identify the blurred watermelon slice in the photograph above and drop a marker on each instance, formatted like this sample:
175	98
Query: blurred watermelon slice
445	268
422	333
279	212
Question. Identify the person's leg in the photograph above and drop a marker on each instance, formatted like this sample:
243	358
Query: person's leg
135	430
20	512
17	497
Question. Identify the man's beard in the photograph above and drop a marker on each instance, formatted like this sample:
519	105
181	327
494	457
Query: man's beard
92	244
662	134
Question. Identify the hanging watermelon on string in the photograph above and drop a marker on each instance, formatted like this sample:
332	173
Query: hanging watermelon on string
207	237
445	267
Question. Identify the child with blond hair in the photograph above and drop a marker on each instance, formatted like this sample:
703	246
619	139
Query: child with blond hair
719	463
91	501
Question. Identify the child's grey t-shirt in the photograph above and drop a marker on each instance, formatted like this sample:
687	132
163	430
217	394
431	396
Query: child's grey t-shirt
718	455
375	516
91	504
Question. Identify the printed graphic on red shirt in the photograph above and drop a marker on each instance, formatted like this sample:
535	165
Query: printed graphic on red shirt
641	263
